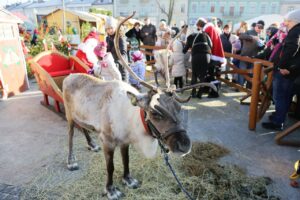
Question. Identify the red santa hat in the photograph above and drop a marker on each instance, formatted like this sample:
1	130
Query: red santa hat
217	52
93	34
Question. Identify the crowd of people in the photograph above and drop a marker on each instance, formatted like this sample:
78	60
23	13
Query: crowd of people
201	48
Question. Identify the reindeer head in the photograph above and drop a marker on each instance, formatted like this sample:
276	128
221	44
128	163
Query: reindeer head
162	105
163	118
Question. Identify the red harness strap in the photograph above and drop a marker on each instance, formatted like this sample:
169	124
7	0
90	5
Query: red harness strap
142	114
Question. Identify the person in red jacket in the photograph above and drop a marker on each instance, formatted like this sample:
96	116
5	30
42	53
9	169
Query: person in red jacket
86	49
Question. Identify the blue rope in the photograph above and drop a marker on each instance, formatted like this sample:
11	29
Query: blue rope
166	157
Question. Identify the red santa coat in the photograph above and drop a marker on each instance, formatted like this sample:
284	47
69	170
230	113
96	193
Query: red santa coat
86	50
217	52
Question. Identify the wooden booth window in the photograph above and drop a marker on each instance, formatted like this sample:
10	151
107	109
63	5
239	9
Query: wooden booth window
7	32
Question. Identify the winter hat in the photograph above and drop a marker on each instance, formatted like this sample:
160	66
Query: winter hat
136	56
201	22
111	23
100	49
260	23
293	16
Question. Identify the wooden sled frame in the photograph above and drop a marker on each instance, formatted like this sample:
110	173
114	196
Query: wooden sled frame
50	85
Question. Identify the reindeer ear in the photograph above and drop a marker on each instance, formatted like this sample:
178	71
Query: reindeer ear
133	98
141	100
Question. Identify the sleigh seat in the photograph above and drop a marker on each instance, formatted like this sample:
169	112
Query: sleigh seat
50	69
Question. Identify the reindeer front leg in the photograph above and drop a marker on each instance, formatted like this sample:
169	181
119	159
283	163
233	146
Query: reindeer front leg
92	145
127	179
113	193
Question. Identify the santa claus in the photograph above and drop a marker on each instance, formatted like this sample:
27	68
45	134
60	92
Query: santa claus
217	52
86	49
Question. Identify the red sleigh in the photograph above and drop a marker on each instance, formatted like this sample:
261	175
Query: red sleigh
50	68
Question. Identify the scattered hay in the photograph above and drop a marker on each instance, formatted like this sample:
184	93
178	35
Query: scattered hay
199	172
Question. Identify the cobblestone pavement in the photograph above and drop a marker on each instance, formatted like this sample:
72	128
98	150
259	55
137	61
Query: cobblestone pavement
9	192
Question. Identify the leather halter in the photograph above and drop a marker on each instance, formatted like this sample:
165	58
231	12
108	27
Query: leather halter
151	130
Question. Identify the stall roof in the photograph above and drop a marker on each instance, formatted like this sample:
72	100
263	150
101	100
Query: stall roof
6	16
85	16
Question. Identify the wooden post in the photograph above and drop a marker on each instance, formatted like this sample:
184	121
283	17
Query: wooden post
255	95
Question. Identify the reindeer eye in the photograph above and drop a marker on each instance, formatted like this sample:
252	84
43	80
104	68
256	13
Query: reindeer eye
156	115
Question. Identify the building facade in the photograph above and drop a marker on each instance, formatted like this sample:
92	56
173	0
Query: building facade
289	5
34	10
150	8
232	11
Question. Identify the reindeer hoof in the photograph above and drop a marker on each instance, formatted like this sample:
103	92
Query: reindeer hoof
95	148
73	166
114	193
131	182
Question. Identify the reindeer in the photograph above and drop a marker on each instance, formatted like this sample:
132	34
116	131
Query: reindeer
121	115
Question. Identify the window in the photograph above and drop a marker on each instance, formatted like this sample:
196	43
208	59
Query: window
263	9
7	32
194	7
242	9
203	7
253	8
124	1
291	8
163	7
212	9
182	8
273	8
123	14
231	11
222	9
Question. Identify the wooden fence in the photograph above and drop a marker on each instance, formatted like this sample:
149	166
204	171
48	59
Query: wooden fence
260	77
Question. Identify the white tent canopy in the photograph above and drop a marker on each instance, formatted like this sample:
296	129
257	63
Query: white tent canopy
268	19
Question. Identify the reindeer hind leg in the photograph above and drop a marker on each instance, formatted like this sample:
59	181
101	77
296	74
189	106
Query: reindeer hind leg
71	163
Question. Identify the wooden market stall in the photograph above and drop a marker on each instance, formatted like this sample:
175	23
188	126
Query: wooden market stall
74	19
13	74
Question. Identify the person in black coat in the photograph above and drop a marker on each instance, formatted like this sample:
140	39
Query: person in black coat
200	44
135	32
148	36
110	28
287	70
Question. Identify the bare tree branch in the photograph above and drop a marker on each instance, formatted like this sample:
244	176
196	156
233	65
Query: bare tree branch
161	8
169	14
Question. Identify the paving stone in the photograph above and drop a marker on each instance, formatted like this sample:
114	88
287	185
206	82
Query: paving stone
3	196
3	186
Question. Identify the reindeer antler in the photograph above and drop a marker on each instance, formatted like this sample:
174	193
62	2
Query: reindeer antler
124	63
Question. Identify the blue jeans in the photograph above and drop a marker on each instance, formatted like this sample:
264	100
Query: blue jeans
243	65
282	95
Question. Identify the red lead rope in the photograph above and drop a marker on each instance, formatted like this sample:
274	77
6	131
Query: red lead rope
142	114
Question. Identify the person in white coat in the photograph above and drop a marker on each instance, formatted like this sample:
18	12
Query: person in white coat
106	68
178	63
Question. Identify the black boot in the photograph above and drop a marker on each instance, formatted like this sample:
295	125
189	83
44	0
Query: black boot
199	93
193	93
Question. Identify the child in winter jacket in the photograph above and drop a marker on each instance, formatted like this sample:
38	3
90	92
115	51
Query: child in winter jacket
138	67
178	63
106	68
